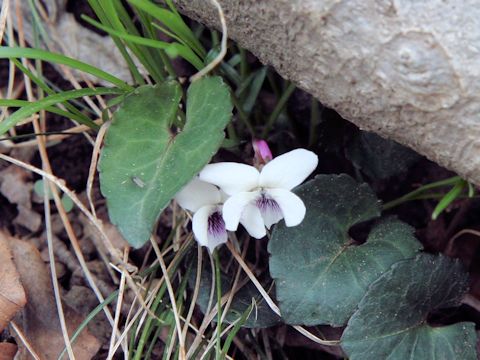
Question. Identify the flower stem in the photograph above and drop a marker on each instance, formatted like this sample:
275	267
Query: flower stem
414	194
278	109
218	283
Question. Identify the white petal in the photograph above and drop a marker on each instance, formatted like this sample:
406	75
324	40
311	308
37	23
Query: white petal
234	207
269	209
293	208
202	227
252	221
231	177
196	194
288	170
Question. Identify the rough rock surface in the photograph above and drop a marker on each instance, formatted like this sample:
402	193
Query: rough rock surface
407	70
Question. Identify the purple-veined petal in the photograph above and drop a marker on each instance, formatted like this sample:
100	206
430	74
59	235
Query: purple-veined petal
234	207
231	177
196	194
252	221
288	170
208	227
293	208
269	209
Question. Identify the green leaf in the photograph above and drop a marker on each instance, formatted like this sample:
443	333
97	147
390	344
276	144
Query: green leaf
260	317
379	158
7	52
52	109
48	101
449	197
173	49
67	202
173	21
143	165
391	319
320	274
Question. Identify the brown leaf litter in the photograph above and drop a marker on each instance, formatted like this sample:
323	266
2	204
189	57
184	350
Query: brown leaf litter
39	320
12	295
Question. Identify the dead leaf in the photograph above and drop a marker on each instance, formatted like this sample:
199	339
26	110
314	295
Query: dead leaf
16	186
39	319
7	351
28	218
12	296
110	230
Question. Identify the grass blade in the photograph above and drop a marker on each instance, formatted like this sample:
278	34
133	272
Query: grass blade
172	49
174	22
51	109
18	52
32	108
449	197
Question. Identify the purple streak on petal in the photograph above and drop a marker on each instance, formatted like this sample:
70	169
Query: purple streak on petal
265	203
269	209
216	225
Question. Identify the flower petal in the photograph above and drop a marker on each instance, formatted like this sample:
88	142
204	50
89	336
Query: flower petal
293	208
288	170
234	207
208	227
269	209
196	194
262	151
252	221
231	177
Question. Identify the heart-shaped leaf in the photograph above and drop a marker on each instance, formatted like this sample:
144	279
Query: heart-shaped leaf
379	158
391	318
320	274
143	164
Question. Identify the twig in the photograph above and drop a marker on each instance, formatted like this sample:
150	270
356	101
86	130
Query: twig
208	317
24	340
46	201
93	165
223	50
196	290
171	294
270	302
53	271
3	17
118	308
449	248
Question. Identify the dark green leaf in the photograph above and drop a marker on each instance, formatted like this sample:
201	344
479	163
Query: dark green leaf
320	274
379	158
143	165
391	319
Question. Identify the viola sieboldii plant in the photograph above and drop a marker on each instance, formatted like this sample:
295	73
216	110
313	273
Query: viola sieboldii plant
227	194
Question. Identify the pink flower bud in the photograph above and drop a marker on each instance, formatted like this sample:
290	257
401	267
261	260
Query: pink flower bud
262	151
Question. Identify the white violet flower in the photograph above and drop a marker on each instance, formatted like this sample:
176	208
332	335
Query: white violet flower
204	200
260	199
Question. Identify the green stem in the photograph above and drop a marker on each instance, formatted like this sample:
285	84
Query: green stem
413	194
314	121
218	283
243	116
278	108
243	64
232	135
